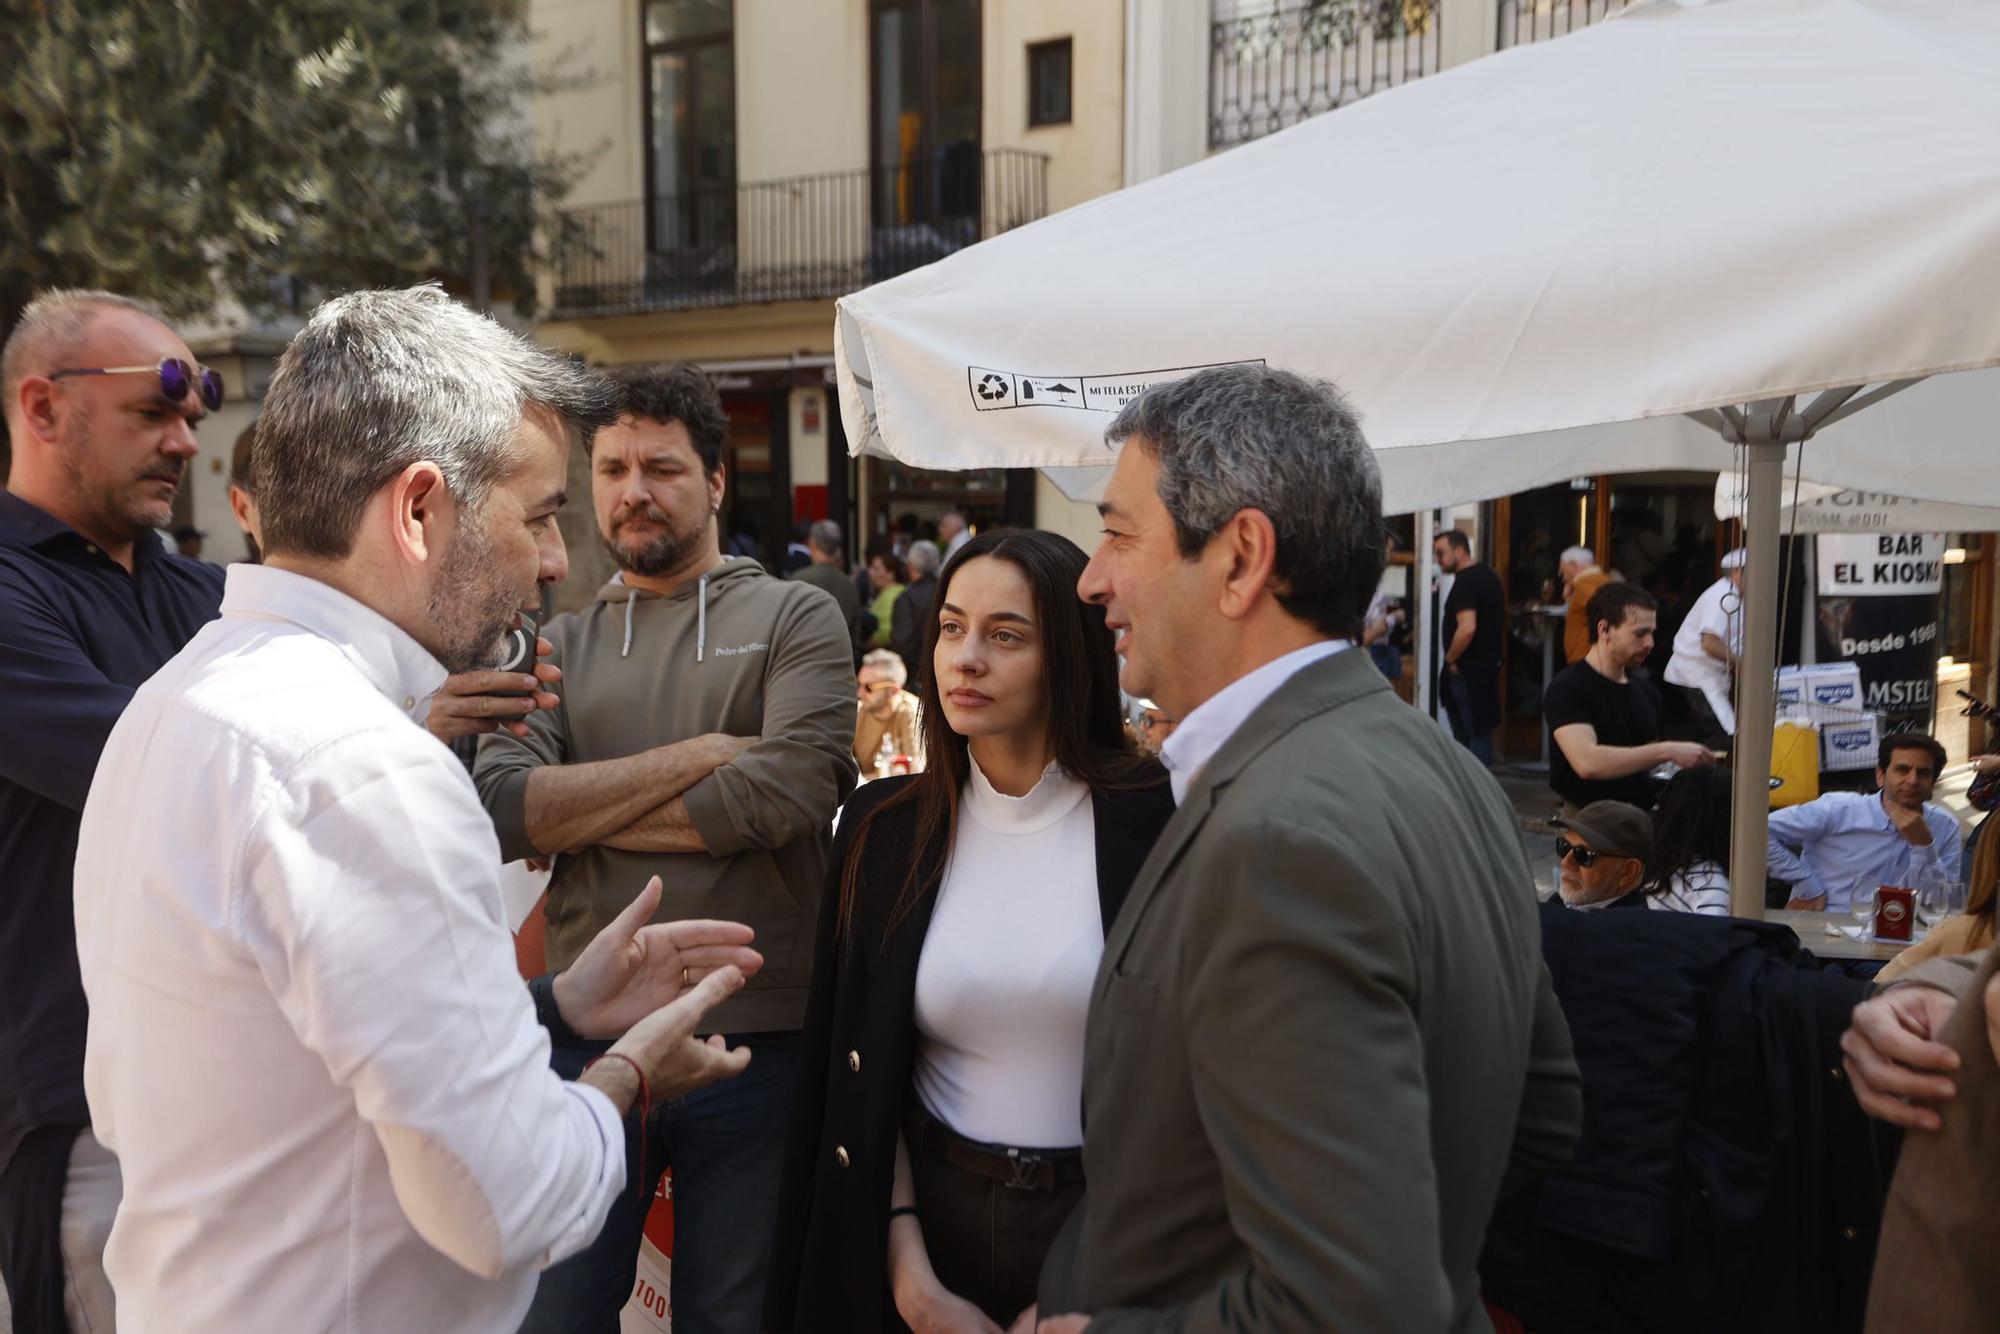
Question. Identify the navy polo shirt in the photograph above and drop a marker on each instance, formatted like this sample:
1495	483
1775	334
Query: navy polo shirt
77	636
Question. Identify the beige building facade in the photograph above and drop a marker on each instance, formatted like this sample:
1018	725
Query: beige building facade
754	160
750	161
757	159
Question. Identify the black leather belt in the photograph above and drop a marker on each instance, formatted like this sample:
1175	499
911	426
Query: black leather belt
1017	1169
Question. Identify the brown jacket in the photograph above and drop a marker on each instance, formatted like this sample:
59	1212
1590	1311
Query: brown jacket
1934	1268
905	730
1576	621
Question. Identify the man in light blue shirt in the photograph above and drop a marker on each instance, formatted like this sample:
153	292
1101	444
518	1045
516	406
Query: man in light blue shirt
1824	848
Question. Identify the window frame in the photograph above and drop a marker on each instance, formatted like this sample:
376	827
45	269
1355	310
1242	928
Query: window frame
1036	51
656	191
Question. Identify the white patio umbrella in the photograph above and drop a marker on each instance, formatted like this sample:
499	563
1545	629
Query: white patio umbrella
1815	507
1678	208
1678	233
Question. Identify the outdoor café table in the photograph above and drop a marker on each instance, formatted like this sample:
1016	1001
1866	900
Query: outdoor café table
1812	933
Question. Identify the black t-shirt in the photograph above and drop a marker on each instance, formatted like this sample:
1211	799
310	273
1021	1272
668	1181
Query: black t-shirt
1477	589
1624	715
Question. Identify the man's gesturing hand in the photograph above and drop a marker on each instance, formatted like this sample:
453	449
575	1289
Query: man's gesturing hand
630	969
472	703
1892	1060
663	1043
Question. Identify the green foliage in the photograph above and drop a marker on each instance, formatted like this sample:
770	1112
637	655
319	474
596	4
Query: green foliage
191	150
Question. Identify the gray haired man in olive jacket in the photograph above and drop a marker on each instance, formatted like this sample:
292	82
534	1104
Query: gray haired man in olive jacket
1322	1041
703	737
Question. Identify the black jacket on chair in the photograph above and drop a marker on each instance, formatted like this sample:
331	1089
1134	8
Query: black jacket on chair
829	1257
1726	1181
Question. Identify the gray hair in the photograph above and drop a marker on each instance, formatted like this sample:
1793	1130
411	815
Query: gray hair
924	558
824	535
889	661
1253	437
1583	556
377	381
52	327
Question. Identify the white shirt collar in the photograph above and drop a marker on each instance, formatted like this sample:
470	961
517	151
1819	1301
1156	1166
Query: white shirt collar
1215	719
395	664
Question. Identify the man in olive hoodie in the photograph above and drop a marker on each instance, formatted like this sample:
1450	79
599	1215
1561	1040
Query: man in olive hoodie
703	737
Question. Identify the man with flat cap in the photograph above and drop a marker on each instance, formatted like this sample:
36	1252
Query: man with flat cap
1603	850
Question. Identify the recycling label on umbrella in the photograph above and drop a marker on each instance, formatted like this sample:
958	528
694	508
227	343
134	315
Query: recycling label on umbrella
993	389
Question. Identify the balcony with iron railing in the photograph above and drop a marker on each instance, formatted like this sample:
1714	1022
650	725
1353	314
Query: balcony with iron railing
1273	69
1524	21
805	238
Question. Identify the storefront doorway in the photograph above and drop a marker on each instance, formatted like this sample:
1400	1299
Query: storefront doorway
900	495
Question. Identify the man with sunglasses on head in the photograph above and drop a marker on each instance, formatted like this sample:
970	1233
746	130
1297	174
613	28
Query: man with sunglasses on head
102	400
885	709
1603	850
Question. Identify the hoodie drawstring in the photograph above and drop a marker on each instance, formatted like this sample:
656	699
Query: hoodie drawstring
701	621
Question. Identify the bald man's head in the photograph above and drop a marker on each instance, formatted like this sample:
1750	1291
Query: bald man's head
52	329
103	453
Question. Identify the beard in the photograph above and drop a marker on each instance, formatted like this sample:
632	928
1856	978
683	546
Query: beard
125	507
471	606
663	554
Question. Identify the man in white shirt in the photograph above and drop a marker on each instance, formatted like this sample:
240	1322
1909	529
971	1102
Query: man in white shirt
309	1048
1704	657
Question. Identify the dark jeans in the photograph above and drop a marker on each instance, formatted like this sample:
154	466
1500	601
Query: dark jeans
988	1229
725	1143
1462	709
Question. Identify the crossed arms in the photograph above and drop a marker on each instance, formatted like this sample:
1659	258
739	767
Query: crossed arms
635	804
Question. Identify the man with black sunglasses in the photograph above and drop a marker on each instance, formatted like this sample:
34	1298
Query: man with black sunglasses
1602	851
102	400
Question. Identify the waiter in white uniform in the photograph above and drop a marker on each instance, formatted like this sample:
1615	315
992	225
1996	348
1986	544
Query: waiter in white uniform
1705	652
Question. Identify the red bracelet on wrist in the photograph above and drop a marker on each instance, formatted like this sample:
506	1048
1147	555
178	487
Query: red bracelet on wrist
645	1103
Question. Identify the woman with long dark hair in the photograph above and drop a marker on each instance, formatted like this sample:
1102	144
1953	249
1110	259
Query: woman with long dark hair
1691	844
935	1144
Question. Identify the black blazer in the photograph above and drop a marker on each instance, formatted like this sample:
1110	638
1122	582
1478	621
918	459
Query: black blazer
829	1257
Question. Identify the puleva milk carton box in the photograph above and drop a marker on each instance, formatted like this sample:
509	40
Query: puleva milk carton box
1834	685
1850	744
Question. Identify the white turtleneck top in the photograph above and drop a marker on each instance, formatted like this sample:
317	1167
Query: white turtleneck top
1004	980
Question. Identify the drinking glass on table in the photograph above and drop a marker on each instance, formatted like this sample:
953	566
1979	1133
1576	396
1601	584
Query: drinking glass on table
1931	904
1862	904
1933	897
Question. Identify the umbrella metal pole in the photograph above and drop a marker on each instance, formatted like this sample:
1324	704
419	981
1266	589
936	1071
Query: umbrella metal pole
1421	575
1756	710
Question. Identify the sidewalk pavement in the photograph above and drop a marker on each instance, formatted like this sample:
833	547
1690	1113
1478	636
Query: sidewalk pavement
1528	790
